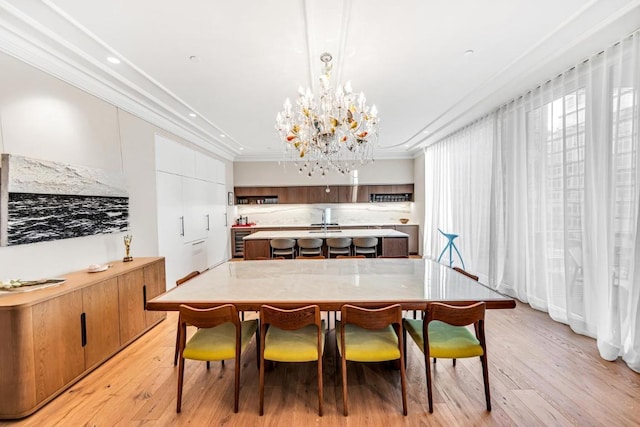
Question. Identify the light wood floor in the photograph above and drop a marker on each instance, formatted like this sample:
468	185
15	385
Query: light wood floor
541	374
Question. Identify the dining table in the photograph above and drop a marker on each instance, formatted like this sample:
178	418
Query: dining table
329	283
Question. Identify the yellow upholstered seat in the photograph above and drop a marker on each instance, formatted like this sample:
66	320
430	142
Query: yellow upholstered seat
370	335
220	335
293	346
218	343
445	341
444	335
364	345
291	336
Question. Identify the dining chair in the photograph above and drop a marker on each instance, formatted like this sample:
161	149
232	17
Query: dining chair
444	334
179	282
283	247
295	335
220	336
466	273
265	258
338	246
370	335
311	257
309	247
350	257
365	246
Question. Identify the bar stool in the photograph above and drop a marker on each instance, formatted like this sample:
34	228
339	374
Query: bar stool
338	246
309	247
283	247
365	246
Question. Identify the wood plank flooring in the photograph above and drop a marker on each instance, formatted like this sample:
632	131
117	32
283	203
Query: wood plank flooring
541	374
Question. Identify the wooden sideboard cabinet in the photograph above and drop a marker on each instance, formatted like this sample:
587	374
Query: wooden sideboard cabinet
51	338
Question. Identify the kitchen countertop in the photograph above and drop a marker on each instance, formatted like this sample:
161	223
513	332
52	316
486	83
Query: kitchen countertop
297	234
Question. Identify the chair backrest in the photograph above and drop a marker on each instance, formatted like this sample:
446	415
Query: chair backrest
339	242
290	320
282	243
466	273
311	257
309	243
187	277
395	256
209	317
365	242
350	256
373	318
456	315
266	258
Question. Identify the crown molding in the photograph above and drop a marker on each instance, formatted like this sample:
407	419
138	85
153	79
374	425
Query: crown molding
31	42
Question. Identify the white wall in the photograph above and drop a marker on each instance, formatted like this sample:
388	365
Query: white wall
285	173
45	118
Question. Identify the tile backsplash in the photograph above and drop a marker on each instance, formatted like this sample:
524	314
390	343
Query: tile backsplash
341	213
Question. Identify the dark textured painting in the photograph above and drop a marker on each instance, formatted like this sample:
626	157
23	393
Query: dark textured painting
46	200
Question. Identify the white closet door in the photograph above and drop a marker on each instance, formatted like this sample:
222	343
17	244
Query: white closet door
170	224
195	201
218	231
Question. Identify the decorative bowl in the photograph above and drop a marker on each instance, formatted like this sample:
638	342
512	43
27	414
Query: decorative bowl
404	220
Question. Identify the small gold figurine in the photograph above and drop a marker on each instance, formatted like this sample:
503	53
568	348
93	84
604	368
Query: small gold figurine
127	247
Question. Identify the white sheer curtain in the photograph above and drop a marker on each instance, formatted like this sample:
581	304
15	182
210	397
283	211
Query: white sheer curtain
544	193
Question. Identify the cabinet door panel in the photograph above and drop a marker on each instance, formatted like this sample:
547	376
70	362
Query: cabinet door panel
217	238
414	236
293	195
353	194
319	194
194	202
100	305
154	281
132	310
170	225
57	336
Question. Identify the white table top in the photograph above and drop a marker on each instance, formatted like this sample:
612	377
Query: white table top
330	283
298	234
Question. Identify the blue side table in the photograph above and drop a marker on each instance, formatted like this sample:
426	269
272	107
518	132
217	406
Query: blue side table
451	246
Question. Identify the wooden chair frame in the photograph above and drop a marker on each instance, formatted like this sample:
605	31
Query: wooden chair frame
209	318
178	283
456	316
372	319
290	320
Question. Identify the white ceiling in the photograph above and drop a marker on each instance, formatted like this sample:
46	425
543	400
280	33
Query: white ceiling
406	55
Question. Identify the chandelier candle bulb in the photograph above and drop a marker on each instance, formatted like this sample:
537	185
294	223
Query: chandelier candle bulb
334	130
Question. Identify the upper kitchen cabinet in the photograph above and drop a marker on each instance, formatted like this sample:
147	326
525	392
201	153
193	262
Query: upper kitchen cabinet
319	194
293	195
323	194
391	193
257	195
353	194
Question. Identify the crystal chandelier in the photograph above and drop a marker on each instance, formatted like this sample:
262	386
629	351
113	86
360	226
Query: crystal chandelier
334	131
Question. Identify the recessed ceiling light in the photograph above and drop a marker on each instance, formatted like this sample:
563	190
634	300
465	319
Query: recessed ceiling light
426	132
222	135
113	59
241	148
194	58
468	52
193	115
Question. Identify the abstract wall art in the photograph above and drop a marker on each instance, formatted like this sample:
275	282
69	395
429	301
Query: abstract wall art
42	200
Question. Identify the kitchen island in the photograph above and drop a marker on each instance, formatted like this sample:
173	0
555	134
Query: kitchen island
391	243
